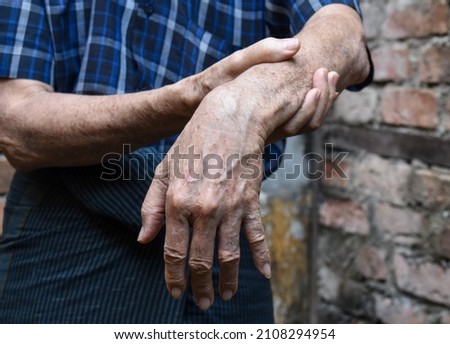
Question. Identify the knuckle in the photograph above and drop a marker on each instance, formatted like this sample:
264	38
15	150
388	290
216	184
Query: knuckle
177	201
207	207
268	44
200	266
173	256
228	259
236	62
257	239
256	235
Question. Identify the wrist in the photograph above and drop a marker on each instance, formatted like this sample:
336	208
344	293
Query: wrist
247	99
277	91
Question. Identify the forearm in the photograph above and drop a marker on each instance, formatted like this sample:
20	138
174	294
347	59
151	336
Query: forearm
42	128
333	39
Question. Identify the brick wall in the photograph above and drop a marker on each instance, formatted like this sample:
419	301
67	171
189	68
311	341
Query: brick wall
384	240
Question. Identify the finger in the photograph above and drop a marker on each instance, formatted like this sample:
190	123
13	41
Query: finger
201	260
153	208
256	237
176	248
333	79
229	256
265	51
296	123
320	81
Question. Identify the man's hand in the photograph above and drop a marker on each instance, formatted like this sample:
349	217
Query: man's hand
63	123
236	120
208	187
209	182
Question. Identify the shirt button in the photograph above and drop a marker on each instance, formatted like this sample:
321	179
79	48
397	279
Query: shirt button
148	9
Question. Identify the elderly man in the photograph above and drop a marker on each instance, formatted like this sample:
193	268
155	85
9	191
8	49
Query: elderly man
81	80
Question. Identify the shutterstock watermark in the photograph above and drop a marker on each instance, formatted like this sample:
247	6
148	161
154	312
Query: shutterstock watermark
187	163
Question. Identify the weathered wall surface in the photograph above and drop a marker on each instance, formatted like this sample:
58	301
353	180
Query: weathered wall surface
384	242
286	208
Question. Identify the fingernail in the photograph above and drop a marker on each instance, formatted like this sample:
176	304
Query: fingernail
176	293
204	303
227	295
267	271
290	43
141	235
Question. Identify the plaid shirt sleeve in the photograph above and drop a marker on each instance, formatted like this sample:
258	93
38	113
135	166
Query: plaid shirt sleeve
26	44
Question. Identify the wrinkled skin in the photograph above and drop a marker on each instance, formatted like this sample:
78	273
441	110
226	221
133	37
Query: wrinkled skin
236	119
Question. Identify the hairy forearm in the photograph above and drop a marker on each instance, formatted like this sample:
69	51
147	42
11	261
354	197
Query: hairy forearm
333	39
42	128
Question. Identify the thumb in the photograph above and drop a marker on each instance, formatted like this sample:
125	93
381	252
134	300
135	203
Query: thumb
153	208
265	51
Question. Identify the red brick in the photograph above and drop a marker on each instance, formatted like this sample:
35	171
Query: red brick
6	174
416	18
337	175
443	243
398	311
410	107
391	63
431	188
345	215
427	280
435	65
371	262
373	19
356	108
384	179
395	220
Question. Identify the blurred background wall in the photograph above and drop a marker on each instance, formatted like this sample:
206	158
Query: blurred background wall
384	236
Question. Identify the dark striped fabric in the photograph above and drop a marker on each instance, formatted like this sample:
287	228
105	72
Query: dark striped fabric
68	252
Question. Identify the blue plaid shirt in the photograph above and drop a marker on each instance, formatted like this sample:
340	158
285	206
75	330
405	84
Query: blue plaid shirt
109	47
64	255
